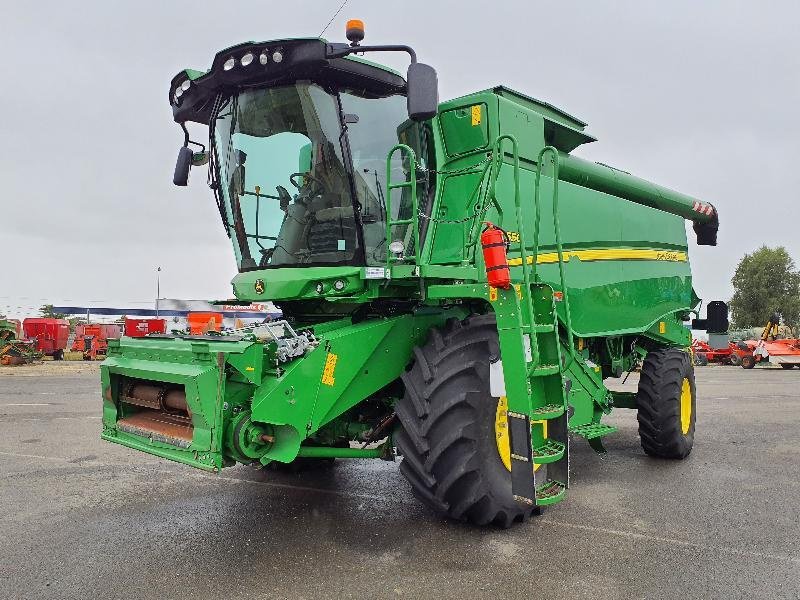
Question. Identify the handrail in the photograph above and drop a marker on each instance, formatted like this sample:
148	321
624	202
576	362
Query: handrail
557	228
484	194
526	268
414	220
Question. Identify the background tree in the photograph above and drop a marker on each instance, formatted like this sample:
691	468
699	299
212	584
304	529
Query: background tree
765	282
47	312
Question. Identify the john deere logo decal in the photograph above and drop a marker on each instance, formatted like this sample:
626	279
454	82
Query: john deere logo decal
259	285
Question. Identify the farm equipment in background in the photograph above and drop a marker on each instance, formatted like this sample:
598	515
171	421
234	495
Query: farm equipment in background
143	327
14	351
705	354
91	339
50	335
18	352
201	323
10	329
375	218
769	349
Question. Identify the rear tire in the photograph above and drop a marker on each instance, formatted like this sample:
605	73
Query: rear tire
735	359
665	428
58	355
447	426
701	359
748	361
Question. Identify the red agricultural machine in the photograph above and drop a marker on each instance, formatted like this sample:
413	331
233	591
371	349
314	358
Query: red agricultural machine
769	349
201	323
143	327
50	335
705	354
92	339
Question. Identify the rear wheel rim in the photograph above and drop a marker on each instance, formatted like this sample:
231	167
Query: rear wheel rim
686	406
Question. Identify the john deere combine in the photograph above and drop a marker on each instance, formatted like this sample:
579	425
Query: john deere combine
376	218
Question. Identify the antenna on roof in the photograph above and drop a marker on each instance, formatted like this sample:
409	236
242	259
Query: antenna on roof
333	17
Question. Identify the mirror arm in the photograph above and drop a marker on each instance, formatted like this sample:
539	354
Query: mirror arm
342	50
187	141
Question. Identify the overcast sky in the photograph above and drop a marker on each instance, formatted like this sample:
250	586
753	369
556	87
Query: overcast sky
701	97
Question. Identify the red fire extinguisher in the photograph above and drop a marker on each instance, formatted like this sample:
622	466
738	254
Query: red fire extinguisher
495	245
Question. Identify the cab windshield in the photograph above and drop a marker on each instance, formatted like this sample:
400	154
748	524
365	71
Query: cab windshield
287	164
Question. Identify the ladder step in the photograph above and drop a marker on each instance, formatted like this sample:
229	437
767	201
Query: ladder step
544	370
550	492
548	411
550	451
591	431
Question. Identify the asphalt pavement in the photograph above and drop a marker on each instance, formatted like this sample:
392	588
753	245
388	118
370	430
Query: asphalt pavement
81	518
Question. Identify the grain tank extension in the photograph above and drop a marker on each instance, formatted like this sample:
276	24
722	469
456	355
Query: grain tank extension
358	204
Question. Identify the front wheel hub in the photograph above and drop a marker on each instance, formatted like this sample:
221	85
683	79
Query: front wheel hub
248	441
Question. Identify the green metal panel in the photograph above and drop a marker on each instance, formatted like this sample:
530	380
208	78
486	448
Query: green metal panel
449	231
465	128
224	380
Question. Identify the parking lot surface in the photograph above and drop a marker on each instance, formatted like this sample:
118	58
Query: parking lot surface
81	518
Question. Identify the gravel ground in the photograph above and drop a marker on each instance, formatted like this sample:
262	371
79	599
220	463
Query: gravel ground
51	368
82	518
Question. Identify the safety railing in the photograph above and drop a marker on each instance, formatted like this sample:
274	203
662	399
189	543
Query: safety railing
413	221
527	268
557	229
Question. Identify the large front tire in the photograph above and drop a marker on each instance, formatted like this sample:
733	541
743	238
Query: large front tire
666	404
447	426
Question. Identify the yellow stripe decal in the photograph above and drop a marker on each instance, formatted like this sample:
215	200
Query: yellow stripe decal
605	254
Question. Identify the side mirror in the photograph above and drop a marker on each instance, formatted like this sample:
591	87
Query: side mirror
183	166
717	314
422	93
716	320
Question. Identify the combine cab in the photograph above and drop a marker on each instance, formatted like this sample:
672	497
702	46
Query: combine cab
455	284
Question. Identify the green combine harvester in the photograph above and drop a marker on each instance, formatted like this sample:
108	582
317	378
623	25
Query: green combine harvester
455	285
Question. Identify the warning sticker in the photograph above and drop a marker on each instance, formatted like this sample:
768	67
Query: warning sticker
476	115
330	367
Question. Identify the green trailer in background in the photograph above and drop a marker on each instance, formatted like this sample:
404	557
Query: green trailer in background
358	204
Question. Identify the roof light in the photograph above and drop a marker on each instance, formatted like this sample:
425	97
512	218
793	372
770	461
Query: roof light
228	64
247	59
185	85
264	58
355	31
277	56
